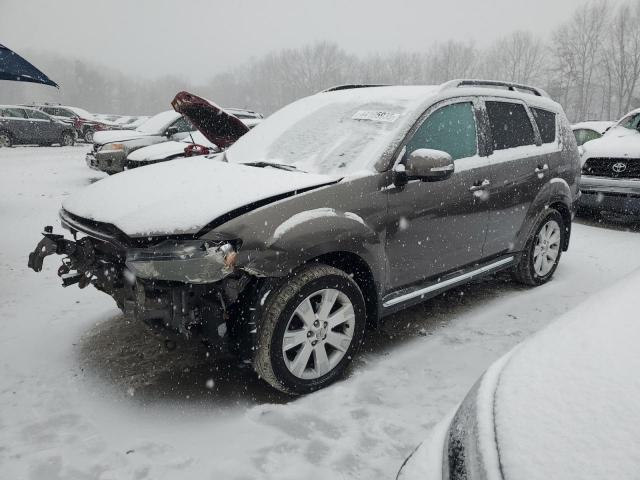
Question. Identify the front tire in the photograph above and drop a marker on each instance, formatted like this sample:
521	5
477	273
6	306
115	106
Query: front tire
5	140
543	250
311	327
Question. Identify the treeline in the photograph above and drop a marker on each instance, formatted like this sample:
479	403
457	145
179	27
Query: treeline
590	63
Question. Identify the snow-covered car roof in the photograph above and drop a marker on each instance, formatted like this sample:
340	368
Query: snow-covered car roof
599	126
159	122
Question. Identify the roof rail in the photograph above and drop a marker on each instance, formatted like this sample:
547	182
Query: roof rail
350	86
494	83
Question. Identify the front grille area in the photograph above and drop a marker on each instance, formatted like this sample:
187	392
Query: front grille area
612	167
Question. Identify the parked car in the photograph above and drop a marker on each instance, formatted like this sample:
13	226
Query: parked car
586	131
24	125
111	148
85	123
563	404
203	142
339	209
610	181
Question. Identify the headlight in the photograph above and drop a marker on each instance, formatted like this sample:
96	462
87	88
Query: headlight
113	147
189	261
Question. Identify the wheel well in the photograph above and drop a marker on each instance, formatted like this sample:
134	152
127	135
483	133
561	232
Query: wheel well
359	270
566	218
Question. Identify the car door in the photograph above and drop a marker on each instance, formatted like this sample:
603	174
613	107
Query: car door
435	227
18	124
520	166
42	127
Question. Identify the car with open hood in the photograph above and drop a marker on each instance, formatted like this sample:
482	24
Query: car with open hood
111	148
337	210
564	404
610	181
205	141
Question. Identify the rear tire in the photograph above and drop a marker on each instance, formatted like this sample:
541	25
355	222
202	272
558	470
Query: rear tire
543	250
311	327
67	139
5	140
88	135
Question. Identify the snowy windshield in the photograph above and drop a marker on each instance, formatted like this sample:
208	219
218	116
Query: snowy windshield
158	123
333	133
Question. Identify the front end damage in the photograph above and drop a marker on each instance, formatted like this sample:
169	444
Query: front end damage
186	285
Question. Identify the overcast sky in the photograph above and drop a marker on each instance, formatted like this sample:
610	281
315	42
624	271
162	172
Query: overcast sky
199	38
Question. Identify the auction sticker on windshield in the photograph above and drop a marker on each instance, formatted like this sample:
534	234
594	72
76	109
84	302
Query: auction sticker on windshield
375	116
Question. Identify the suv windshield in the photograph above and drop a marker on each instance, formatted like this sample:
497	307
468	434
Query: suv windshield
334	133
632	122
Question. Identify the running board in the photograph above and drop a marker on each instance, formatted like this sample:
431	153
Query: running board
449	282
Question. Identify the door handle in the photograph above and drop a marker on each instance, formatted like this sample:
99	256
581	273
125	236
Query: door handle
542	169
480	185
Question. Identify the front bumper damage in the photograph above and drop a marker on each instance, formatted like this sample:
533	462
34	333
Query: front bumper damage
189	287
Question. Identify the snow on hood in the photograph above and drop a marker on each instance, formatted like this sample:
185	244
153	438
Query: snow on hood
617	142
108	136
599	126
182	196
568	400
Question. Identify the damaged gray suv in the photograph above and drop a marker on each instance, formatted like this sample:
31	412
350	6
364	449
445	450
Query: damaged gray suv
340	209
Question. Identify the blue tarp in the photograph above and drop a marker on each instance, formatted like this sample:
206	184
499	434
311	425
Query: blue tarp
14	67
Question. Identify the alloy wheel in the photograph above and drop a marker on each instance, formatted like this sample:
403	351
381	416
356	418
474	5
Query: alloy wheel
67	139
547	248
5	141
318	334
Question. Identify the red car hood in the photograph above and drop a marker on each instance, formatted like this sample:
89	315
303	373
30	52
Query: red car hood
218	126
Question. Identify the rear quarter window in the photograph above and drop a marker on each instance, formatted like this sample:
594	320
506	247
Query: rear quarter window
546	122
510	125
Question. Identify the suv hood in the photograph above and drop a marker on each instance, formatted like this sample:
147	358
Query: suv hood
182	197
619	142
217	125
108	136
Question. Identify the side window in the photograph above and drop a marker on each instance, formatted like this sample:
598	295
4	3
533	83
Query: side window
451	129
183	125
15	113
36	115
510	125
49	110
583	135
546	122
61	112
631	122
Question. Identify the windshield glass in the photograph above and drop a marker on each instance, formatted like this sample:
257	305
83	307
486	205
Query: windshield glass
158	123
334	133
630	121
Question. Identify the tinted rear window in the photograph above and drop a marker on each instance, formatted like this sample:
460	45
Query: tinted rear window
13	113
546	122
510	125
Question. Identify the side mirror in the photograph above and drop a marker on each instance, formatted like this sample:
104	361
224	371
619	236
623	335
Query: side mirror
171	131
429	165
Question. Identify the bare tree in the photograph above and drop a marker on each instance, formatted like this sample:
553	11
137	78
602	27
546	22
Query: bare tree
621	56
451	59
518	57
577	47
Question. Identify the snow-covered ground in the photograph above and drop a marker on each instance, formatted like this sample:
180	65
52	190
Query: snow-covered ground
85	394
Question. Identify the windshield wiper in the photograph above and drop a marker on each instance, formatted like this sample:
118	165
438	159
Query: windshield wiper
281	166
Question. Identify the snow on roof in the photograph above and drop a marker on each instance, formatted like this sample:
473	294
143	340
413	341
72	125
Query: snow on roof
159	122
568	400
597	125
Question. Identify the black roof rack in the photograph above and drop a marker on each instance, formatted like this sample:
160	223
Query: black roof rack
350	86
494	83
